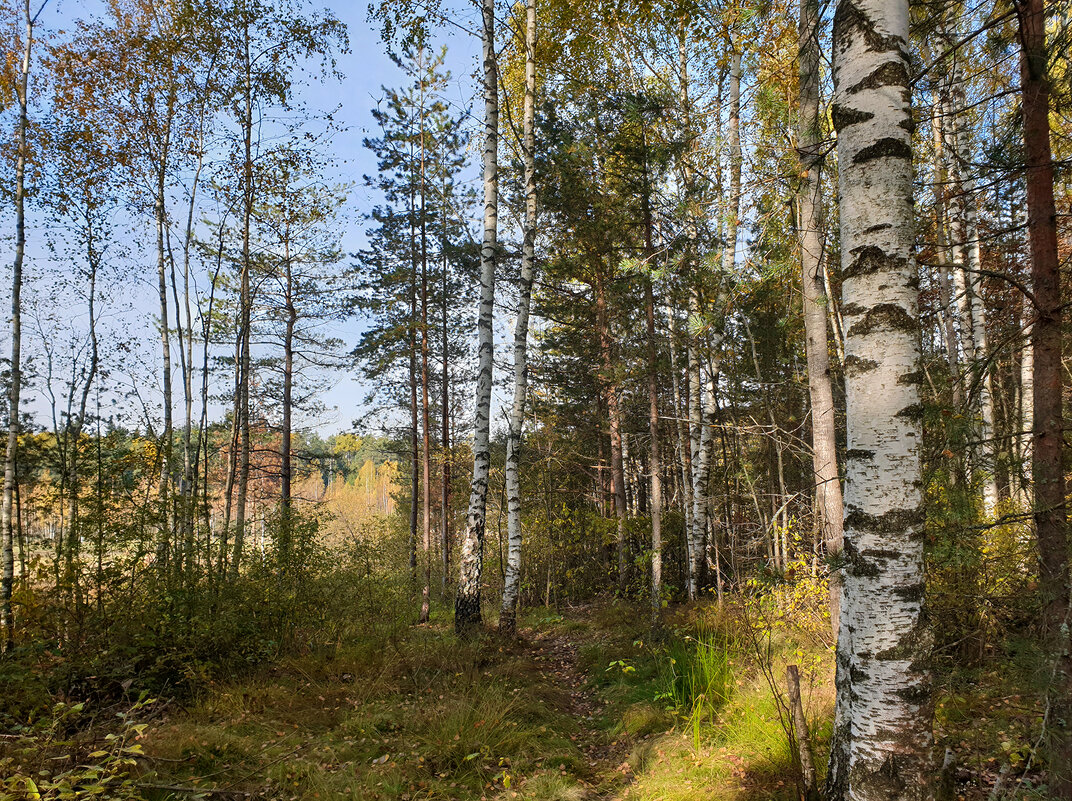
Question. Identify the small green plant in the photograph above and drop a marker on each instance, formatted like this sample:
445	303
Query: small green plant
695	678
103	773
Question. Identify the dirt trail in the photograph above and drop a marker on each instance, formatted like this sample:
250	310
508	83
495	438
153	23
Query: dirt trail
557	655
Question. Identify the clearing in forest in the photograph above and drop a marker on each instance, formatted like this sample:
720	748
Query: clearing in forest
581	706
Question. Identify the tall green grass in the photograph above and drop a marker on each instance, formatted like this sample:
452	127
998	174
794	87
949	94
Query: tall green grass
695	678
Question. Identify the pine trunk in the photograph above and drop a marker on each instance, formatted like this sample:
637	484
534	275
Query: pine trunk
1047	445
426	426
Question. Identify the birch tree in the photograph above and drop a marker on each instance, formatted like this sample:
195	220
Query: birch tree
508	616
882	739
7	539
828	499
467	616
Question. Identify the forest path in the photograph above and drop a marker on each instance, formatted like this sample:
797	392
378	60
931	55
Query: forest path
558	655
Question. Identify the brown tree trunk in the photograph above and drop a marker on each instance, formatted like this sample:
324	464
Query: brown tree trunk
1047	457
426	439
614	426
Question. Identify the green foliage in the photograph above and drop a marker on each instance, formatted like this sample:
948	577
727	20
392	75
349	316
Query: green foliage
47	760
695	677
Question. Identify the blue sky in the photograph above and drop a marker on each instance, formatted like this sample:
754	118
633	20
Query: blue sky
366	68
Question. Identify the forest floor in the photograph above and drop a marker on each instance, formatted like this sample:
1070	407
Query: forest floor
580	707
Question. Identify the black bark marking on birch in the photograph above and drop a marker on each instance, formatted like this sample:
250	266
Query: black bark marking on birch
856	366
856	673
914	592
880	553
894	521
882	318
874	229
913	411
908	379
859	453
887	148
883	780
855	564
917	694
892	73
849	18
843	116
872	259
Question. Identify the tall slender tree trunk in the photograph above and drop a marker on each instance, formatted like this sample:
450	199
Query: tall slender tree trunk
246	301
656	463
467	617
828	501
163	541
77	422
189	451
941	247
414	409
511	584
694	392
1027	408
1048	482
969	295
680	425
286	527
611	392
7	546
426	438
444	500
882	740
698	452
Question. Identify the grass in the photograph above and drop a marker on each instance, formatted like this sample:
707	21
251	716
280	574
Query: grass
420	716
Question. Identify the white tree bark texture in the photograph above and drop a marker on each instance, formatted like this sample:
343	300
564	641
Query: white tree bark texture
471	562
883	641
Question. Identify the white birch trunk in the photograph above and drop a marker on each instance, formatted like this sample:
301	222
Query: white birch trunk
511	582
828	499
7	571
680	411
698	445
1027	408
471	562
971	264
941	246
883	643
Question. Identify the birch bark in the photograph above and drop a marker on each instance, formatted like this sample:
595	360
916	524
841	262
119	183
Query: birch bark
828	499
969	285
508	616
467	601
883	642
7	571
